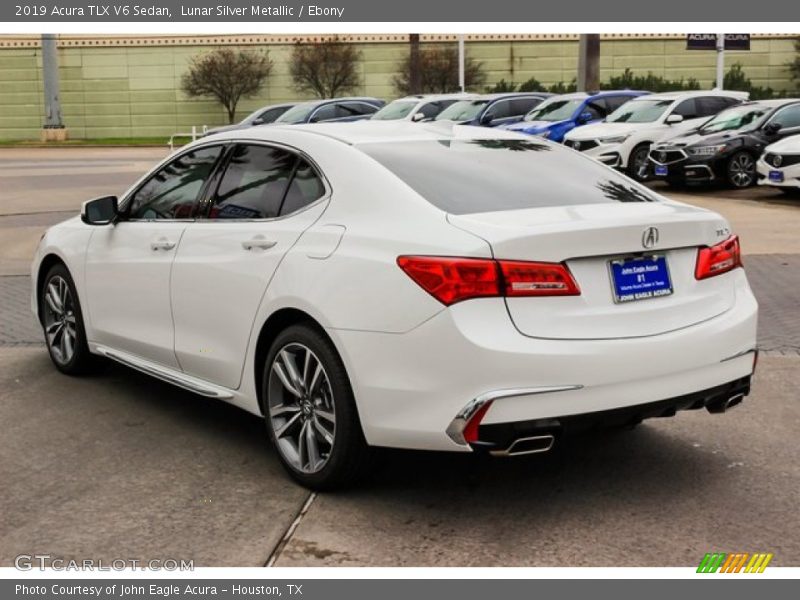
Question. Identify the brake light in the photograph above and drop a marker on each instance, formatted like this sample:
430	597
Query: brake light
718	259
537	279
452	280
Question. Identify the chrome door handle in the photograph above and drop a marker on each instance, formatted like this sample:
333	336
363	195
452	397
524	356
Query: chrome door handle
258	243
162	244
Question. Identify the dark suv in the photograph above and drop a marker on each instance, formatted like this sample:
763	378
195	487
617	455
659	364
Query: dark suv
334	109
726	147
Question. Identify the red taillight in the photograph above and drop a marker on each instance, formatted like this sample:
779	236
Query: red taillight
718	259
537	279
451	280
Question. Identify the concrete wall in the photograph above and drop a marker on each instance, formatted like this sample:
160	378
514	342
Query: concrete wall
129	86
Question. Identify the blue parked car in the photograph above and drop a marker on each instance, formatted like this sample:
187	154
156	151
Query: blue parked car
492	110
558	115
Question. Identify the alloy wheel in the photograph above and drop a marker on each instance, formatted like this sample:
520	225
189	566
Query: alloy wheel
59	320
640	164
301	406
742	170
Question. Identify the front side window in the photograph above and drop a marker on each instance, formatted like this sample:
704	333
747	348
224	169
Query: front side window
687	109
639	111
788	117
354	109
520	106
172	193
327	113
254	183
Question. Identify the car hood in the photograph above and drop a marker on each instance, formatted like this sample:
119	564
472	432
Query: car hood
597	130
695	138
790	145
534	126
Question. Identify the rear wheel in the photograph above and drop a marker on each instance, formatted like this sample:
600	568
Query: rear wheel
310	411
741	170
639	164
62	322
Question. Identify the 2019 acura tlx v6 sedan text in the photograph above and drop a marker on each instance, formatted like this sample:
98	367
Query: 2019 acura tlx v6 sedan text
434	287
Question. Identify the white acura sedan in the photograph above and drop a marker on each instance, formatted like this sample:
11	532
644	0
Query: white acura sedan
435	287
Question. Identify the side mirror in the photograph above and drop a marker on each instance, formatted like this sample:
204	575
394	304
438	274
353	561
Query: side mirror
258	121
100	211
417	117
585	118
674	119
486	118
772	128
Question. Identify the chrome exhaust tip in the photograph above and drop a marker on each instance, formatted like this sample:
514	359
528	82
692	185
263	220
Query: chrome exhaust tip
527	445
722	406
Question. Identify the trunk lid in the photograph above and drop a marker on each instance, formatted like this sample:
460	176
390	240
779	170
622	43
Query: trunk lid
586	237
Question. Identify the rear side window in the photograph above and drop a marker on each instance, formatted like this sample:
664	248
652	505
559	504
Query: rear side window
254	183
306	187
522	106
788	117
708	106
474	176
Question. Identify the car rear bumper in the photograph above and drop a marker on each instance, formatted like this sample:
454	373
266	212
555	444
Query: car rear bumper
411	387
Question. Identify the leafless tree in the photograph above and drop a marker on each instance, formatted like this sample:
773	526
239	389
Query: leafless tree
227	75
438	68
325	68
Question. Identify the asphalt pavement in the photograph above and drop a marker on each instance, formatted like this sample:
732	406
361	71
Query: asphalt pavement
118	465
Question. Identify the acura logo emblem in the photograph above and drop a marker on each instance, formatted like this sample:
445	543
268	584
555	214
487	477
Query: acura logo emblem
662	156
650	237
778	160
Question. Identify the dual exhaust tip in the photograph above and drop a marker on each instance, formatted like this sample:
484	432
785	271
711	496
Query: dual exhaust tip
537	444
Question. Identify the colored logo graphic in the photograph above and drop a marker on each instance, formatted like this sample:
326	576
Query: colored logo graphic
736	562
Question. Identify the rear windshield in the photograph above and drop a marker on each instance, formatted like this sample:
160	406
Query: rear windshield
474	176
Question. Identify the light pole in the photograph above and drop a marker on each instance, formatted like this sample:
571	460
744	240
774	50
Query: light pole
461	82
720	60
53	128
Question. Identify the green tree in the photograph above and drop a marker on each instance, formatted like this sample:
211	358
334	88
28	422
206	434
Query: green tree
227	75
326	68
438	67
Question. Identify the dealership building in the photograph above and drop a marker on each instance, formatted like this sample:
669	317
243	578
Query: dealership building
129	86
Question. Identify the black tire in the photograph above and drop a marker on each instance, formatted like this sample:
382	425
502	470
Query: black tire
740	171
634	168
348	458
67	326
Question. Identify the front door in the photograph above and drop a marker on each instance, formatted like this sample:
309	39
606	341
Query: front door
129	264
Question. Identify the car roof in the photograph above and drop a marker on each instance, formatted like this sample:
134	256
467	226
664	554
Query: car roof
501	95
772	103
694	93
320	102
429	97
367	131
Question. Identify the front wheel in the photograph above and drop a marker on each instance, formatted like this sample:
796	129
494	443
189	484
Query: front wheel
62	321
310	411
741	170
639	163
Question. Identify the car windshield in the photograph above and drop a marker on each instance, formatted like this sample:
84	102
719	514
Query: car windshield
735	118
399	109
488	175
639	111
554	110
297	114
465	110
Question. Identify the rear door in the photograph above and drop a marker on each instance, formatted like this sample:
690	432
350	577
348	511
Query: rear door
264	200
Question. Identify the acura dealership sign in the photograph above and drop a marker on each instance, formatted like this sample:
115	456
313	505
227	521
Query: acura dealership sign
708	41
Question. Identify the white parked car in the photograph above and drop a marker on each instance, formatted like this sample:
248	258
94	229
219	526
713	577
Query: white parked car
423	107
623	140
779	165
361	287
